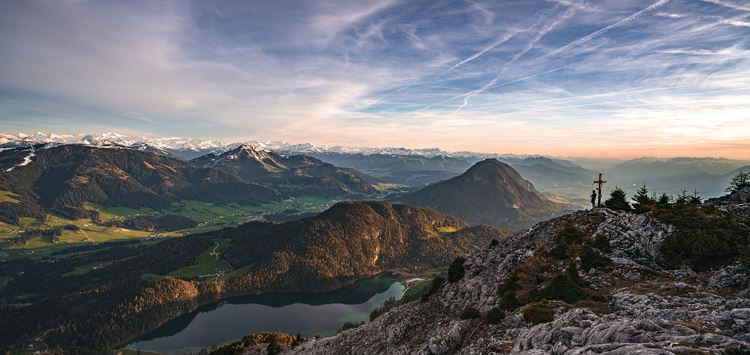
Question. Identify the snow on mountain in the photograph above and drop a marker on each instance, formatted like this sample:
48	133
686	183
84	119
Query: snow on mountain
307	148
112	139
189	148
26	160
202	145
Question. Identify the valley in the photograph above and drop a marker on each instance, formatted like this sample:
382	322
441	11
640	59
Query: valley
140	285
30	237
374	177
146	251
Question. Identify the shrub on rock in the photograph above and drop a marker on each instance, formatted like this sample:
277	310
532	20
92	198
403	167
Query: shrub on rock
495	316
507	291
456	270
437	282
470	313
538	312
590	258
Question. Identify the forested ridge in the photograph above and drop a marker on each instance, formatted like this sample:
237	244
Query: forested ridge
63	178
104	307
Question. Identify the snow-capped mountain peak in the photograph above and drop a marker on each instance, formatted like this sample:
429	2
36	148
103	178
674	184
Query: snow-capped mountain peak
189	148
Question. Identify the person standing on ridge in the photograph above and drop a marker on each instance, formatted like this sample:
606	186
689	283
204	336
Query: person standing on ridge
593	198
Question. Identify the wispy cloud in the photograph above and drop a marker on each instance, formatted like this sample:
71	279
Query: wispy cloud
670	15
548	76
484	50
727	53
728	4
546	28
494	83
606	29
542	32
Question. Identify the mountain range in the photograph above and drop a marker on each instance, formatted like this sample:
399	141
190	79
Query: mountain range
709	176
296	174
565	179
184	148
63	178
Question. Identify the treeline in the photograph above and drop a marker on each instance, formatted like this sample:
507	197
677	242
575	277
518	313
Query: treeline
100	308
705	236
166	223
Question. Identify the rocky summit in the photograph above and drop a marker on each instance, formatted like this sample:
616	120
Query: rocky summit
541	292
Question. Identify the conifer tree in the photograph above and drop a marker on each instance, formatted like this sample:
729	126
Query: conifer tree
683	198
617	200
696	198
739	182
642	202
664	200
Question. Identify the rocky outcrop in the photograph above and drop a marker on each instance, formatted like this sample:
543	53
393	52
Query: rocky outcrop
640	307
737	204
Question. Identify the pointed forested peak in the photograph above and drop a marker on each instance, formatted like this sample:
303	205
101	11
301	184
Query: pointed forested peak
490	192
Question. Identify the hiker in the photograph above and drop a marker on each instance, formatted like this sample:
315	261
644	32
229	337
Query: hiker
593	198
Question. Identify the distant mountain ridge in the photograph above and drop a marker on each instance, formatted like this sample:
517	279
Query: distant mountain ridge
410	170
62	178
559	177
183	148
205	146
708	176
297	174
490	192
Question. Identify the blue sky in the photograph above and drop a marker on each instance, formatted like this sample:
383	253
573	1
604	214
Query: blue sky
563	77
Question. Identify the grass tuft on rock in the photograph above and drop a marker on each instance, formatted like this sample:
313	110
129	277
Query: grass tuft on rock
470	313
495	316
538	312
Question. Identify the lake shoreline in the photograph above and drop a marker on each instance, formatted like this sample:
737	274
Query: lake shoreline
356	294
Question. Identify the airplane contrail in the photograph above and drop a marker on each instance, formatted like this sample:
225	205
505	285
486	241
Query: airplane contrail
493	84
728	5
604	30
492	45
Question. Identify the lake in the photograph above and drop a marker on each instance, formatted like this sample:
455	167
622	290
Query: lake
304	313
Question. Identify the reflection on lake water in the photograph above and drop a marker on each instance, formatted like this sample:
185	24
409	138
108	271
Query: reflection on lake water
227	321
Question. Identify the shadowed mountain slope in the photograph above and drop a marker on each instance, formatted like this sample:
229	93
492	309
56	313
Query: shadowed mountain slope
490	192
63	178
297	174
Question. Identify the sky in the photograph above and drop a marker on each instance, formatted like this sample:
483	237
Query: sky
604	78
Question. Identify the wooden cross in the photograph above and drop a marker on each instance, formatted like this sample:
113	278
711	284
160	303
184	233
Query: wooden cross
600	183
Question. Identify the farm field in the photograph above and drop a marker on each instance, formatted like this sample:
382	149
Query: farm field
34	237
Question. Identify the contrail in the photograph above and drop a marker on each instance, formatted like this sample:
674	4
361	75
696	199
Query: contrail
524	78
604	30
537	37
492	45
572	99
549	27
493	83
727	5
734	21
